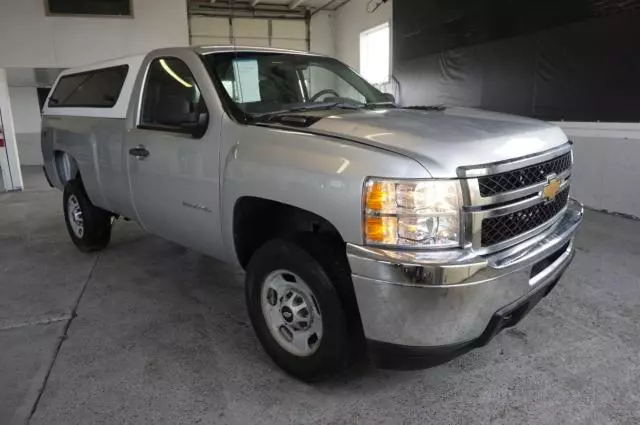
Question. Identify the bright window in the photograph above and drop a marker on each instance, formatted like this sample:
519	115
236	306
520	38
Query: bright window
374	54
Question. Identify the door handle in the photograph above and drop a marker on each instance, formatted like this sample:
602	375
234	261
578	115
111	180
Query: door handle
140	152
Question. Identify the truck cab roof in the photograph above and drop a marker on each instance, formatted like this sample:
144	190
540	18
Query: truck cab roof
136	60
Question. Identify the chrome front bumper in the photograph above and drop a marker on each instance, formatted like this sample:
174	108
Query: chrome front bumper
448	298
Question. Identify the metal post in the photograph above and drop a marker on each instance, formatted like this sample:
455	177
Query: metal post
307	21
9	159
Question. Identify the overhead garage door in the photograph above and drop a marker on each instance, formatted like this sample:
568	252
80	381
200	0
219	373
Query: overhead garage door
282	33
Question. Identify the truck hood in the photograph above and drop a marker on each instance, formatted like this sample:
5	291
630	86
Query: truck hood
442	141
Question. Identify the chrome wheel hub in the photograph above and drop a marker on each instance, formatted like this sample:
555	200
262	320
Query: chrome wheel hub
74	213
291	312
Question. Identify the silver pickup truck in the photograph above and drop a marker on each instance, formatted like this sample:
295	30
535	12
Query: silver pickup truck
411	234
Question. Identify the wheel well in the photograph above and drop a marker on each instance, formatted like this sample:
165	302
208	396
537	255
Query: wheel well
258	220
66	166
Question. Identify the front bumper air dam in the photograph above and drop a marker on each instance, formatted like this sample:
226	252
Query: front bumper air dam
422	308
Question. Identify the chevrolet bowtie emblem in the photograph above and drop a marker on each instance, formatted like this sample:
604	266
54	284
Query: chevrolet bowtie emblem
551	190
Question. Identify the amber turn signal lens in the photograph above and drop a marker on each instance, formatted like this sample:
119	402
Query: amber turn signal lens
382	230
380	195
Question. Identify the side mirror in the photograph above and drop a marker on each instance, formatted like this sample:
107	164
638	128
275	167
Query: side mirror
196	126
391	98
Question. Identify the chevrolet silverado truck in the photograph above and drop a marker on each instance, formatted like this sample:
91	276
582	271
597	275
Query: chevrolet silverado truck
408	234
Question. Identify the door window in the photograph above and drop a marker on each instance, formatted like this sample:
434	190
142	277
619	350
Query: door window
172	100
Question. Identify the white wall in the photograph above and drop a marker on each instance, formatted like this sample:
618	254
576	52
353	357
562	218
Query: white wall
350	21
606	173
322	33
28	38
26	122
9	156
26	113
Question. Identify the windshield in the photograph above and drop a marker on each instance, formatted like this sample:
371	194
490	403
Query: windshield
260	84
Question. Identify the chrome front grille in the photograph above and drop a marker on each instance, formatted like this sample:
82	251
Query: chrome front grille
504	202
523	177
502	228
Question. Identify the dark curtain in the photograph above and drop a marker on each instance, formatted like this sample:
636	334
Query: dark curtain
574	60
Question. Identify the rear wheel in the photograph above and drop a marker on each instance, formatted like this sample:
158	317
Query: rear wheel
297	312
89	226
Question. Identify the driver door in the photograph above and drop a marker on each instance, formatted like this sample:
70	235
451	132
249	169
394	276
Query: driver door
172	156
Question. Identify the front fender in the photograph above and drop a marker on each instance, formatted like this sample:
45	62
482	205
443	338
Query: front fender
316	173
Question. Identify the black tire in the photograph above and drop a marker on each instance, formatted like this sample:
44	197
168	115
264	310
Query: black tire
96	232
310	259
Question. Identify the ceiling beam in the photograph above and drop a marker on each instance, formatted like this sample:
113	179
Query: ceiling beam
265	9
295	3
254	3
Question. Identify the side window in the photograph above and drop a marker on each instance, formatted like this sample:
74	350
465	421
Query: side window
172	100
92	89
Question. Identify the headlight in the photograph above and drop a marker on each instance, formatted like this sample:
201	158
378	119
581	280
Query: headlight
412	213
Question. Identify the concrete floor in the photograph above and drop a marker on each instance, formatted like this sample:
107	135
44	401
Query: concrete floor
161	336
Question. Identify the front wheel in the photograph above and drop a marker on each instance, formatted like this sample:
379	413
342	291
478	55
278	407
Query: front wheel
297	312
89	226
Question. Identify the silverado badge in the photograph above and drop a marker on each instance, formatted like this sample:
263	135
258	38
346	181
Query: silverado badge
552	188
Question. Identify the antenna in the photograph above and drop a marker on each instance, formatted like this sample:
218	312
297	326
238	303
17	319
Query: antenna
231	33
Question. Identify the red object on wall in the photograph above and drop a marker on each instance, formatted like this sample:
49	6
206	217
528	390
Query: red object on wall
1	134
2	144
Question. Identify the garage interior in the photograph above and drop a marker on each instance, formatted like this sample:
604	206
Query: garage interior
150	332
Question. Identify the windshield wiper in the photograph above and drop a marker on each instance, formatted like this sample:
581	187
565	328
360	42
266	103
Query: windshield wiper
317	107
385	104
438	108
